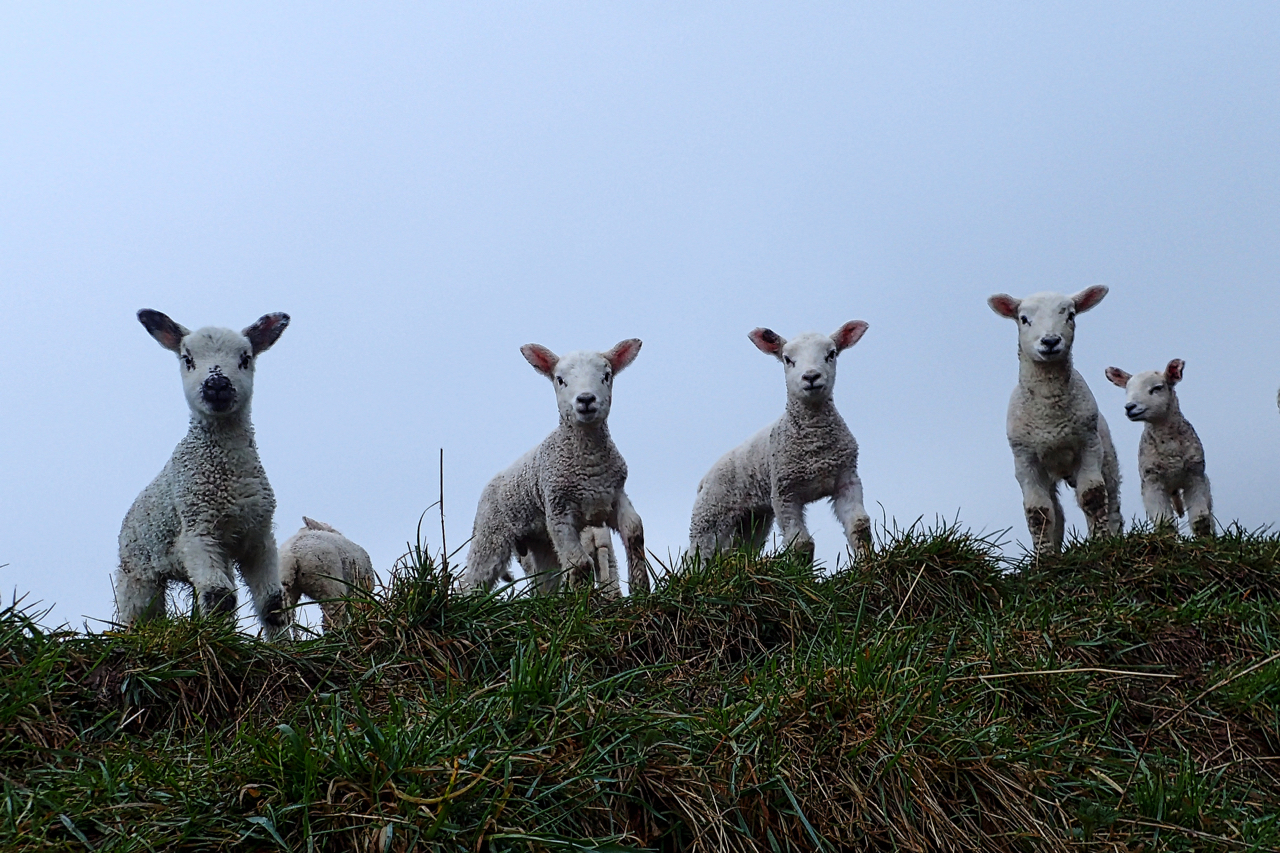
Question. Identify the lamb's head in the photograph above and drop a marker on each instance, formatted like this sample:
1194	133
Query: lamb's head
809	359
583	380
1150	395
1046	321
216	364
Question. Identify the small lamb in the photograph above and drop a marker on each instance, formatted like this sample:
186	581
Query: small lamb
1054	427
807	454
1170	455
211	506
322	564
547	505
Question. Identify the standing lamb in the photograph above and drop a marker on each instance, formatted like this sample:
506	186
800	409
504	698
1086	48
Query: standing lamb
322	564
807	454
211	506
1054	427
1170	455
545	506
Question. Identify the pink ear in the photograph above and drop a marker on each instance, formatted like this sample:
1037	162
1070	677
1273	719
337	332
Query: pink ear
849	334
1089	297
623	353
168	333
1005	305
1118	377
1173	371
767	340
543	360
266	331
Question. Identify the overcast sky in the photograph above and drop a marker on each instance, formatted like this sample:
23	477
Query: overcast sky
424	188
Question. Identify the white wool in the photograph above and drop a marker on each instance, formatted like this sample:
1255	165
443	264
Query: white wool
1170	455
1054	427
210	509
322	564
806	455
552	506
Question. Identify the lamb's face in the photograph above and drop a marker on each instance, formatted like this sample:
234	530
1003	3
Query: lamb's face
1149	395
809	360
217	371
584	387
216	364
583	380
1046	321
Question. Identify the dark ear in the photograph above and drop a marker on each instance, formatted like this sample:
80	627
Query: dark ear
266	331
623	353
768	341
312	524
543	360
849	334
1089	297
164	330
1118	377
1173	371
1005	305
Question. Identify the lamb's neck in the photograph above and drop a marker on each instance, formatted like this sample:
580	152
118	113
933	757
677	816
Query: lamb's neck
1172	426
807	416
586	438
1048	375
231	431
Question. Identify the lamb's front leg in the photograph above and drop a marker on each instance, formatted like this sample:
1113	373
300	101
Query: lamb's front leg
1158	503
207	568
847	502
626	521
1038	501
1091	489
565	529
1199	506
260	568
790	515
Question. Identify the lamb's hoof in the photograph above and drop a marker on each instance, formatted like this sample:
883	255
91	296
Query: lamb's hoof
273	615
1202	527
218	602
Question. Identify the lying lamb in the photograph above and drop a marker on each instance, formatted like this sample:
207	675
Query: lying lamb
1054	427
545	505
806	455
211	506
1170	455
322	564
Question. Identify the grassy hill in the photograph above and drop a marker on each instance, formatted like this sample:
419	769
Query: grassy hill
1124	696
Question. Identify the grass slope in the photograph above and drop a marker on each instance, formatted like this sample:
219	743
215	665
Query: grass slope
1123	696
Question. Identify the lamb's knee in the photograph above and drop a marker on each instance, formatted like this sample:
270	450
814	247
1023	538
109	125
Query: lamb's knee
1202	525
218	601
1041	522
1093	500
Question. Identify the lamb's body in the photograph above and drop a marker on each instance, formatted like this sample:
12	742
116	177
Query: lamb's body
210	509
1053	425
806	455
544	506
322	564
1170	455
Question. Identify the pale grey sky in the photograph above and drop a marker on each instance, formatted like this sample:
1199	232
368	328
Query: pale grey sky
424	188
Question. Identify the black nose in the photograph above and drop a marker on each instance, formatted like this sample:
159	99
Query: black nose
811	376
1129	407
586	399
218	392
1050	341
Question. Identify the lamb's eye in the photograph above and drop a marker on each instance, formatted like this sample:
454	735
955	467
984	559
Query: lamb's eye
607	377
831	356
188	361
788	362
1155	388
1026	321
245	361
1071	315
560	379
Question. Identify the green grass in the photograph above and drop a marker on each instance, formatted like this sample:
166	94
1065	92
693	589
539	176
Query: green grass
1121	696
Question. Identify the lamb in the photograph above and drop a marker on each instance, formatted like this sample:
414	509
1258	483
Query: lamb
552	505
211	506
1054	427
807	454
322	564
1170	455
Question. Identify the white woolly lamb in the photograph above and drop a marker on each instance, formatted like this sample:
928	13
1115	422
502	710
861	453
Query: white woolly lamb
211	506
551	505
322	564
1170	455
1054	428
807	454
